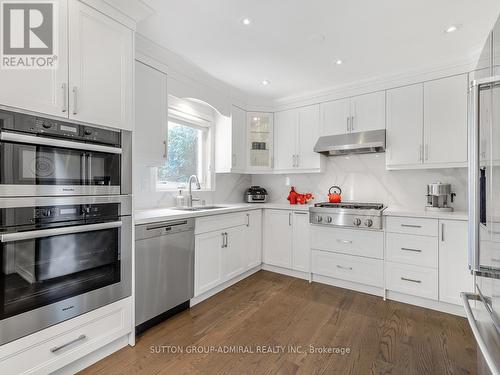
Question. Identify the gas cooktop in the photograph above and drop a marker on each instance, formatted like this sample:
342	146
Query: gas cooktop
348	214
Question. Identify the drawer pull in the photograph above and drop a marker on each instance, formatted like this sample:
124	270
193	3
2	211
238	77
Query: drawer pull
344	241
414	250
55	349
411	280
411	226
344	268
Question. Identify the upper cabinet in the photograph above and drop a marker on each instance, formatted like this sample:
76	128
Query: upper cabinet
259	141
151	111
356	114
423	120
296	132
93	81
238	140
101	68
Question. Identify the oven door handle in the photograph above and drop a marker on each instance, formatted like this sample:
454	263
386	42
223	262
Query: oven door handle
44	141
28	235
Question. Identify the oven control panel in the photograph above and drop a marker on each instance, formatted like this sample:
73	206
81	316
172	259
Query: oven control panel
349	220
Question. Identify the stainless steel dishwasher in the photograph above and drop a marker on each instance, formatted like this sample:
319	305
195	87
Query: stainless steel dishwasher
164	270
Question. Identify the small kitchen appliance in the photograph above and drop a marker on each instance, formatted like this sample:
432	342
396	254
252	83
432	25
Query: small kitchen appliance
256	194
336	196
437	197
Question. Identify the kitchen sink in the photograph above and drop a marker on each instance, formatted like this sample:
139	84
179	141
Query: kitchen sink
198	208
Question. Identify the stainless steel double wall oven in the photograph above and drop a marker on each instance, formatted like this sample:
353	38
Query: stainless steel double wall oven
65	221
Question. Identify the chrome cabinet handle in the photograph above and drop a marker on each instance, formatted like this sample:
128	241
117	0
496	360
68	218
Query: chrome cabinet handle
344	268
165	150
290	219
65	98
248	220
352	123
347	129
298	160
411	280
426	152
442	232
75	100
293	160
408	249
55	349
223	240
28	235
485	349
45	141
411	226
421	153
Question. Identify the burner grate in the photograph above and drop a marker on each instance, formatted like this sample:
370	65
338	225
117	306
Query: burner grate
351	205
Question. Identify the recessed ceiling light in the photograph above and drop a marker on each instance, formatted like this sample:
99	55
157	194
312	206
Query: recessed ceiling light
452	29
339	62
246	21
265	82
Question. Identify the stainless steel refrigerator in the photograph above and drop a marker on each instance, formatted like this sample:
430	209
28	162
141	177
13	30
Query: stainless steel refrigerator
483	306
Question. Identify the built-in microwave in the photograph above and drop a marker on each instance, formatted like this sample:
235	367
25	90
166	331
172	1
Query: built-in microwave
45	157
61	257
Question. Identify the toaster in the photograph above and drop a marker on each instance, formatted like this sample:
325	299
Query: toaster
256	194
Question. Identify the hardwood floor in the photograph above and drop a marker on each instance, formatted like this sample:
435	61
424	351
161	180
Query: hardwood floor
268	310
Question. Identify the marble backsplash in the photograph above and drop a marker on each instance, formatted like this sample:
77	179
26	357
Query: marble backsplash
364	178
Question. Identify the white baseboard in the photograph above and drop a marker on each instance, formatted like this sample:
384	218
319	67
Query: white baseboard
224	285
286	271
427	303
376	291
93	357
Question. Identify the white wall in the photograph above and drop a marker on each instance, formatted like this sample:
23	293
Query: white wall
364	178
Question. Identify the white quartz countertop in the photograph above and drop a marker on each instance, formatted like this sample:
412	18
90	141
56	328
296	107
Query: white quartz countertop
454	215
153	215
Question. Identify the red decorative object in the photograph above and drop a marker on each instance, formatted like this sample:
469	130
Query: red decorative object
336	196
297	198
292	196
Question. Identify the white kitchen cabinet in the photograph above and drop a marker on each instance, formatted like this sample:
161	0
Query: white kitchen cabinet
233	252
367	112
208	261
259	141
296	132
301	246
445	121
150	131
405	118
335	117
278	238
412	280
101	68
253	239
285	134
454	275
238	139
40	90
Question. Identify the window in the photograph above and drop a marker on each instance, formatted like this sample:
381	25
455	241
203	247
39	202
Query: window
188	153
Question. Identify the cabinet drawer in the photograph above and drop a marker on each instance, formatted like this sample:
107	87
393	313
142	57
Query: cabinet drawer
219	222
347	267
414	280
412	225
346	241
410	249
48	350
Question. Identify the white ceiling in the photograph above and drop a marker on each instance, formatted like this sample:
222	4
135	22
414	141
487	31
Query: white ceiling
284	43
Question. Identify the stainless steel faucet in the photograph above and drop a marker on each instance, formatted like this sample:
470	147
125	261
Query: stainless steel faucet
190	198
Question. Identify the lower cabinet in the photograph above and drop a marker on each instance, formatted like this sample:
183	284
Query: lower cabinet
226	251
287	239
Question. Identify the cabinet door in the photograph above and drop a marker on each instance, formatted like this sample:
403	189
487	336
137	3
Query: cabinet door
278	238
259	141
239	127
454	275
404	126
445	120
368	112
307	136
301	245
233	254
101	74
207	261
253	240
42	90
285	135
150	115
335	117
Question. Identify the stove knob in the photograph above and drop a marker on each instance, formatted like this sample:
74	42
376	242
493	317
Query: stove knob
368	222
357	222
319	219
328	219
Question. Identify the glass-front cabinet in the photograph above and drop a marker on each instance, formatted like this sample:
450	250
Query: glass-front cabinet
259	141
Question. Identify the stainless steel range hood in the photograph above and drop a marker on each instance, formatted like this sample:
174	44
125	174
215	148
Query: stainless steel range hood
353	143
